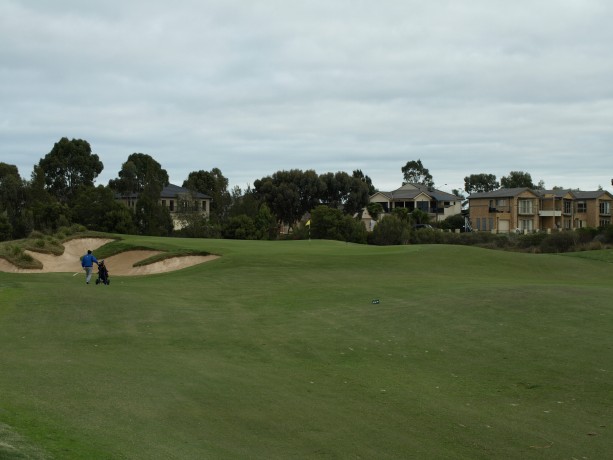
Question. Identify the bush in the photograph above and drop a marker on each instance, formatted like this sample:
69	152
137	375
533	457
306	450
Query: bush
559	242
585	235
607	234
531	240
390	230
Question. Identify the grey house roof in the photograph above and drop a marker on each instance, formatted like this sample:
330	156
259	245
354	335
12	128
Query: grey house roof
171	191
510	192
409	194
500	193
591	195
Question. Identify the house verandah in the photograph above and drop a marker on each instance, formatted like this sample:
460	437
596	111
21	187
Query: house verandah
178	200
527	210
437	204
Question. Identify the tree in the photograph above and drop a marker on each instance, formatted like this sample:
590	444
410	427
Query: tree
240	228
214	184
478	183
358	174
453	222
420	217
265	223
331	224
357	199
375	210
12	199
97	209
391	230
289	194
69	165
517	179
137	172
344	191
244	203
151	217
43	211
415	173
143	176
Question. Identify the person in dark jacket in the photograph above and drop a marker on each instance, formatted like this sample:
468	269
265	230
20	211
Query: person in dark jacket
87	262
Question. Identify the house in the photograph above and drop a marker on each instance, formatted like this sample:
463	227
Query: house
178	200
439	205
592	209
526	210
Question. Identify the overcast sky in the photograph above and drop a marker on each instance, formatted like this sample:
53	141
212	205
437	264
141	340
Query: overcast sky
254	87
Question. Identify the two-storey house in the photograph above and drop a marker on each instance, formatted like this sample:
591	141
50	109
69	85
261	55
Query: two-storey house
439	205
525	210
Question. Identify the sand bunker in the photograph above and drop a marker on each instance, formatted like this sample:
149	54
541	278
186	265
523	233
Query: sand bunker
120	264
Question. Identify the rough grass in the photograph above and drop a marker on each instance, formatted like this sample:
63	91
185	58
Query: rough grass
276	350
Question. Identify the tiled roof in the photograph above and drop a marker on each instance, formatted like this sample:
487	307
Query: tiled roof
409	194
509	192
591	194
500	193
171	191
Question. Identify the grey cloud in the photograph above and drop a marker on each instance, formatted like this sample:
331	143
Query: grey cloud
254	87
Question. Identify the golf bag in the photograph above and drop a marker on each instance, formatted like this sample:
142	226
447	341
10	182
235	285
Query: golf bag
103	274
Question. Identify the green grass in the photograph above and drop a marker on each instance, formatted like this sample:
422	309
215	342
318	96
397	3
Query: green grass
275	350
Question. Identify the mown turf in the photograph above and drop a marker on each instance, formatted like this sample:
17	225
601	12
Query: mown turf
275	350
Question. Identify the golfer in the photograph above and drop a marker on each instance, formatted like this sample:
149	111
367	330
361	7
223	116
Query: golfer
87	262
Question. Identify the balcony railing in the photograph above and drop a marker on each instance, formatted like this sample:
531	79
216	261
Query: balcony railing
549	213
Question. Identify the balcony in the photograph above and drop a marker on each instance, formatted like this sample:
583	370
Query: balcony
549	213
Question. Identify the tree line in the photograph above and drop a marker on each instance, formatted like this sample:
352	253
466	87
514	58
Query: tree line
61	191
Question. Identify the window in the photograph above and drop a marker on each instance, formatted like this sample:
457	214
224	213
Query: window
491	223
478	223
567	206
422	205
172	205
605	222
605	208
526	224
164	203
501	202
581	206
525	207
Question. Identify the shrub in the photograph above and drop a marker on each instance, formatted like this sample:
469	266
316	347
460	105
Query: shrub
530	240
607	234
559	242
423	236
585	235
390	230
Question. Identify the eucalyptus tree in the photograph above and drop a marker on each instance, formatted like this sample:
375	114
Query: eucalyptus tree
214	184
477	183
414	172
69	165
